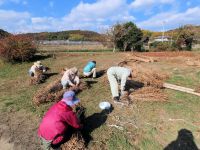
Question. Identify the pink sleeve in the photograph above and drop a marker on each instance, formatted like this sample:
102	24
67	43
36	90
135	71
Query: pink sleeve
72	120
57	140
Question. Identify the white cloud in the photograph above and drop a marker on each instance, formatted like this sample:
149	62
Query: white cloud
172	19
93	15
10	15
136	4
12	20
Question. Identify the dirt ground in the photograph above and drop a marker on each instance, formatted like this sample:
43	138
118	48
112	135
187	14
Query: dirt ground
18	131
18	128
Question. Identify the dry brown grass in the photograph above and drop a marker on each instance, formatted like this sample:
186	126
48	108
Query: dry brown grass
52	92
145	75
197	89
149	82
153	79
38	78
148	94
71	47
76	142
148	86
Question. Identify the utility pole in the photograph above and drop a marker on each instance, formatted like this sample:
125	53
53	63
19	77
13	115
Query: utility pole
163	33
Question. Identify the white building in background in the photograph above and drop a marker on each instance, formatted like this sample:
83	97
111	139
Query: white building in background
162	39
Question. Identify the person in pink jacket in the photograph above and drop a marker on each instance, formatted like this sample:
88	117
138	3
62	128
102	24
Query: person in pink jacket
57	120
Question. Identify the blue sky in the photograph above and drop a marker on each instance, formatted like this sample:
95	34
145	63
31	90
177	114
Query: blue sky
20	16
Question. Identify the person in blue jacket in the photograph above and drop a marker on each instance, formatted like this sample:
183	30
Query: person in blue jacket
90	69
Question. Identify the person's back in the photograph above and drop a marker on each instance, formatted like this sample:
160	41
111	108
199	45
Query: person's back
119	72
33	68
116	74
66	75
53	124
70	78
90	65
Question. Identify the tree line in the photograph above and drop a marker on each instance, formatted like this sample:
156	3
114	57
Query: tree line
121	37
128	37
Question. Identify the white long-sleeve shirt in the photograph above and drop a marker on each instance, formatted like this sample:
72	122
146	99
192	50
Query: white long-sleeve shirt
34	67
70	77
120	73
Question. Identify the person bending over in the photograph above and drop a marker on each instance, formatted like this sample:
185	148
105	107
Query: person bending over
90	69
70	78
115	75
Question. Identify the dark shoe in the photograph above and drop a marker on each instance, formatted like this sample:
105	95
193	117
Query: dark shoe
116	99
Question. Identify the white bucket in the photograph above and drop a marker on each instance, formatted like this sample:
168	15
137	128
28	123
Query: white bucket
105	105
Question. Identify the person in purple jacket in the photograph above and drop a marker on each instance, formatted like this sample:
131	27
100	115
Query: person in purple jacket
57	120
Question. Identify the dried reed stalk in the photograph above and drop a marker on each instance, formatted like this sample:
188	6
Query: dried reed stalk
52	92
76	142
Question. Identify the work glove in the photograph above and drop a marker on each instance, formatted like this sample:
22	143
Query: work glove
123	92
80	113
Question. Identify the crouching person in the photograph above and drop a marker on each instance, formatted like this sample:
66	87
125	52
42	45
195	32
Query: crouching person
90	69
36	66
57	121
116	74
70	78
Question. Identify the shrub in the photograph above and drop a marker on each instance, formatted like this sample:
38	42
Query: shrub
163	46
17	48
3	34
127	36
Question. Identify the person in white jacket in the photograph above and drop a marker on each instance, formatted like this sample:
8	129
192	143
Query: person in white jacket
115	75
37	65
70	78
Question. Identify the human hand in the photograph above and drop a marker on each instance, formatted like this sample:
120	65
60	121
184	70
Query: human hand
123	93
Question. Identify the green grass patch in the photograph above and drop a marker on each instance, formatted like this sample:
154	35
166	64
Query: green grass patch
118	141
154	131
150	144
181	80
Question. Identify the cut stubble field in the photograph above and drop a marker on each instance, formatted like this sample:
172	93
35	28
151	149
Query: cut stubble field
142	125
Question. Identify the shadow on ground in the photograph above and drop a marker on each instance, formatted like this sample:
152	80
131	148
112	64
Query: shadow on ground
48	75
131	84
93	122
100	73
40	57
89	83
184	141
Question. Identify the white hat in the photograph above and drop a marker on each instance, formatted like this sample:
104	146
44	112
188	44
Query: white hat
38	63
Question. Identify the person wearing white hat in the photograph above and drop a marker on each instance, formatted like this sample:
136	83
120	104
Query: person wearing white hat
36	66
70	78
